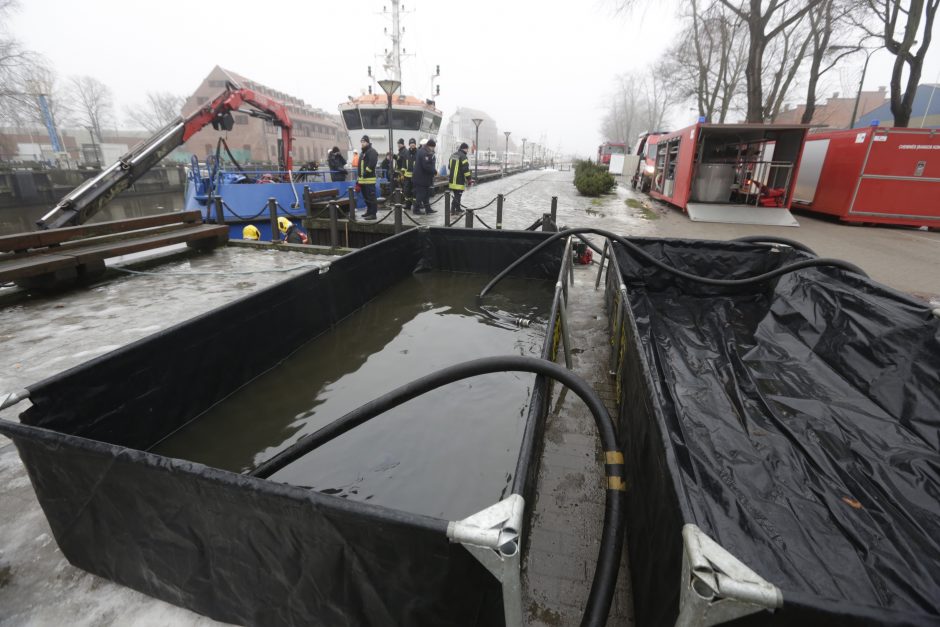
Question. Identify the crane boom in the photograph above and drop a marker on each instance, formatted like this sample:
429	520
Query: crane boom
88	198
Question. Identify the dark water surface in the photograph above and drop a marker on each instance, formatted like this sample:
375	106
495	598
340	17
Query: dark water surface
23	219
448	453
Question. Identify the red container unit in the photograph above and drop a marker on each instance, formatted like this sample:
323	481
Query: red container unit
875	174
742	173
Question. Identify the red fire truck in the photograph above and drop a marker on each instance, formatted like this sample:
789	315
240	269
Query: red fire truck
609	148
875	174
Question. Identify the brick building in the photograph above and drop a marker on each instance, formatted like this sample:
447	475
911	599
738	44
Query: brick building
255	141
836	112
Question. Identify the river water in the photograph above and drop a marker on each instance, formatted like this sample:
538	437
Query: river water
24	219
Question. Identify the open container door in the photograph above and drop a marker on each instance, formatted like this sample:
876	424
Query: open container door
742	173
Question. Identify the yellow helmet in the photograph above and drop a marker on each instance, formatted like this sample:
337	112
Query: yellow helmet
283	224
251	232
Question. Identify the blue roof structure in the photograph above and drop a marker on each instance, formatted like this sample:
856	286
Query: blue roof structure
926	102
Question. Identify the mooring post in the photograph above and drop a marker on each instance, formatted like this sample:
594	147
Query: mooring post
499	211
334	225
546	217
351	209
554	226
398	225
219	213
272	211
308	204
447	208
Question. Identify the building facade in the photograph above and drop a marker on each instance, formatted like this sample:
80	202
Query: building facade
836	112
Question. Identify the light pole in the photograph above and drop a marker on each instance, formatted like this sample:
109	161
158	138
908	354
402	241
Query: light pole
389	86
476	147
506	152
94	146
523	152
861	82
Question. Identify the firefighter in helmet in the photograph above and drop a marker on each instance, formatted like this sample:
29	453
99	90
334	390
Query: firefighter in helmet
407	165
459	176
292	235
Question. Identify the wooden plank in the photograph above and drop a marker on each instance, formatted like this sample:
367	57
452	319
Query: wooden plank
324	193
20	241
23	241
65	247
33	265
17	268
125	247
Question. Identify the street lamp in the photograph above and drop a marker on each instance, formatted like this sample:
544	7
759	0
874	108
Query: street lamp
94	146
861	82
476	147
389	86
858	96
523	152
506	152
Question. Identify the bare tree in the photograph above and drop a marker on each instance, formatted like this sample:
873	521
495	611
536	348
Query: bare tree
786	54
160	109
763	26
641	103
660	90
708	64
824	19
93	105
899	24
34	80
14	61
622	118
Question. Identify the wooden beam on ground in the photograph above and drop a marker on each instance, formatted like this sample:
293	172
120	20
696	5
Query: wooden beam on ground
39	239
16	267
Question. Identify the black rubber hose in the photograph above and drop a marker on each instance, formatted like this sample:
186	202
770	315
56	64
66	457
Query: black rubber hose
773	239
608	560
642	254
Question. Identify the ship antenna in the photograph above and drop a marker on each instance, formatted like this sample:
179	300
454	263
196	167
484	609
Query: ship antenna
392	62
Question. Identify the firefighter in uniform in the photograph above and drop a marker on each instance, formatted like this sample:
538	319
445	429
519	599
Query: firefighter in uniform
407	171
400	160
367	165
459	176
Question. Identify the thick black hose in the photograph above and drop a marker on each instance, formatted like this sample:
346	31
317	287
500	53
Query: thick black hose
608	560
639	252
773	239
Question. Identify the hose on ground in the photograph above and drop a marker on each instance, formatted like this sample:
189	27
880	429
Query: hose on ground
608	560
636	251
773	239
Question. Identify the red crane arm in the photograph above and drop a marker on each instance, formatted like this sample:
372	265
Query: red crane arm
217	112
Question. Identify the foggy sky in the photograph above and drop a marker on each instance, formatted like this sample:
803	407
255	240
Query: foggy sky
538	68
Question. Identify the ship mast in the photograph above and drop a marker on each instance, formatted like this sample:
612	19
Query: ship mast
393	59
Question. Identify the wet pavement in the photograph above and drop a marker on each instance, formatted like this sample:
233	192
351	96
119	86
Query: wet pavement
42	336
